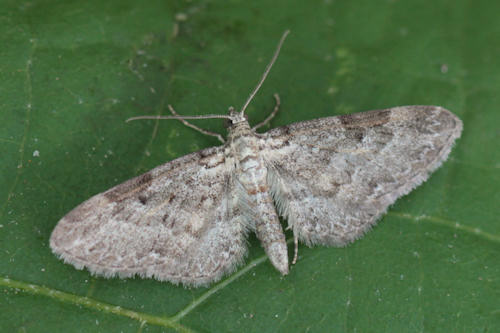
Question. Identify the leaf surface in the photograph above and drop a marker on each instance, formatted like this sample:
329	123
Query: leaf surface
71	73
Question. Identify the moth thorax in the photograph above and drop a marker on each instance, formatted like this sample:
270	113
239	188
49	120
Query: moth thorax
239	129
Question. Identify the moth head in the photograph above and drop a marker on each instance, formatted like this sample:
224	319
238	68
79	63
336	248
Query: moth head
234	117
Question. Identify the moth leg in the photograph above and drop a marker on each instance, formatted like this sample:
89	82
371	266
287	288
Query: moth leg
271	115
201	130
296	251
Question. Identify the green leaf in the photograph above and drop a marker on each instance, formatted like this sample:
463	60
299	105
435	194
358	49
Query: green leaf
72	72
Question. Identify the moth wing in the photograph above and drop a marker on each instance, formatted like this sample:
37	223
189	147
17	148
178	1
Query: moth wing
333	177
175	222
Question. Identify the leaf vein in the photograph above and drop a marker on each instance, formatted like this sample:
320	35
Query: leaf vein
92	304
221	285
448	223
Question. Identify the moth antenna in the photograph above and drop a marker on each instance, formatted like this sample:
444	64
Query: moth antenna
252	95
206	116
268	68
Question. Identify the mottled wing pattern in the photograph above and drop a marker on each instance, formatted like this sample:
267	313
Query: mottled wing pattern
176	222
333	177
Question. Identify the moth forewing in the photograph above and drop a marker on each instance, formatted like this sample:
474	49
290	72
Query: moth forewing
333	177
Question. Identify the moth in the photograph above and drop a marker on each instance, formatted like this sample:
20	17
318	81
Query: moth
187	220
